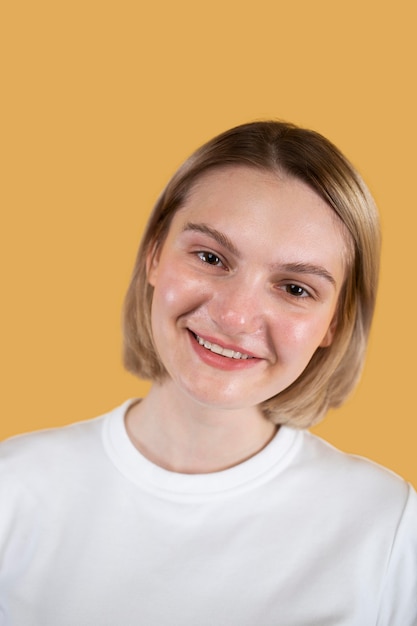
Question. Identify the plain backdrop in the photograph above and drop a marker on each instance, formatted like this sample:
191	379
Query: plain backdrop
102	100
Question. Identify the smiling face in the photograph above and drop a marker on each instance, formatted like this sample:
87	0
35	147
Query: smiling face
246	286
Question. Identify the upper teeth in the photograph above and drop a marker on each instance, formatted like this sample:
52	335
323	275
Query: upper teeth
223	351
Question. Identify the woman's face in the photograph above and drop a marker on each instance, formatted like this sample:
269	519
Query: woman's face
246	286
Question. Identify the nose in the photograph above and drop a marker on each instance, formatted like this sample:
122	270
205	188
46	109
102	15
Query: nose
238	307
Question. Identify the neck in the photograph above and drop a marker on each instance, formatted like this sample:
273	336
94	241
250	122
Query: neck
180	435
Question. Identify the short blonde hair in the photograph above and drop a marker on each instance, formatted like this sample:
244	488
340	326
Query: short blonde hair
273	146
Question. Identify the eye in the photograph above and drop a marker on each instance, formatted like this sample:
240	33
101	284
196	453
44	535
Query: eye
210	258
295	290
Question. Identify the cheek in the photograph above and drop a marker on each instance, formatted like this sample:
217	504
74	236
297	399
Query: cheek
302	333
175	293
165	295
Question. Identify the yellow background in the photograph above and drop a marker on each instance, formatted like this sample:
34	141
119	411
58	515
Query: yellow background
101	101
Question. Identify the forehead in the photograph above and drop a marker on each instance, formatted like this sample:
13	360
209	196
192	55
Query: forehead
254	186
242	192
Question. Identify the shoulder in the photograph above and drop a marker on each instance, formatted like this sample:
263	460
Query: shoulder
49	471
46	446
50	454
354	481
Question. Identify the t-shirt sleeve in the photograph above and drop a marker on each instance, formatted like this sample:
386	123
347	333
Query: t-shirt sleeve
19	527
399	593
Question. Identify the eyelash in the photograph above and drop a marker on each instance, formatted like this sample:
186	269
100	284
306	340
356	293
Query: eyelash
305	293
205	255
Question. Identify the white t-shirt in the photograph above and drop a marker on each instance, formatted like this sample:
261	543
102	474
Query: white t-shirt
94	534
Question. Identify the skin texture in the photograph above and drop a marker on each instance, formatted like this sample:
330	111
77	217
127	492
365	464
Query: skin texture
254	263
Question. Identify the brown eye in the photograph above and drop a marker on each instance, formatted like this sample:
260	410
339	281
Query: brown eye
210	258
297	291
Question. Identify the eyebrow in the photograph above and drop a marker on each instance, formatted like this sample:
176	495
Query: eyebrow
296	268
221	238
309	268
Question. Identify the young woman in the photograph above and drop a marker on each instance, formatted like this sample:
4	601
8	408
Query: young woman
208	502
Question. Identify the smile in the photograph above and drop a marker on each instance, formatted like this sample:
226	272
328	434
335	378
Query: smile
227	352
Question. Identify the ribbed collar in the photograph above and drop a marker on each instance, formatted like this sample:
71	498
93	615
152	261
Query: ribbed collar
194	487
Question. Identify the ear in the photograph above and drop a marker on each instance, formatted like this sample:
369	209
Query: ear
330	333
152	262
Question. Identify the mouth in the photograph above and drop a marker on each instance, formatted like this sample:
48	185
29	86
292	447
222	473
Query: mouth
228	353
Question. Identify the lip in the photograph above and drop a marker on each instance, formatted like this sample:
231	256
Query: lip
219	361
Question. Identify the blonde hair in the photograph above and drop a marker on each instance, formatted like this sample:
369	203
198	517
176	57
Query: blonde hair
333	371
